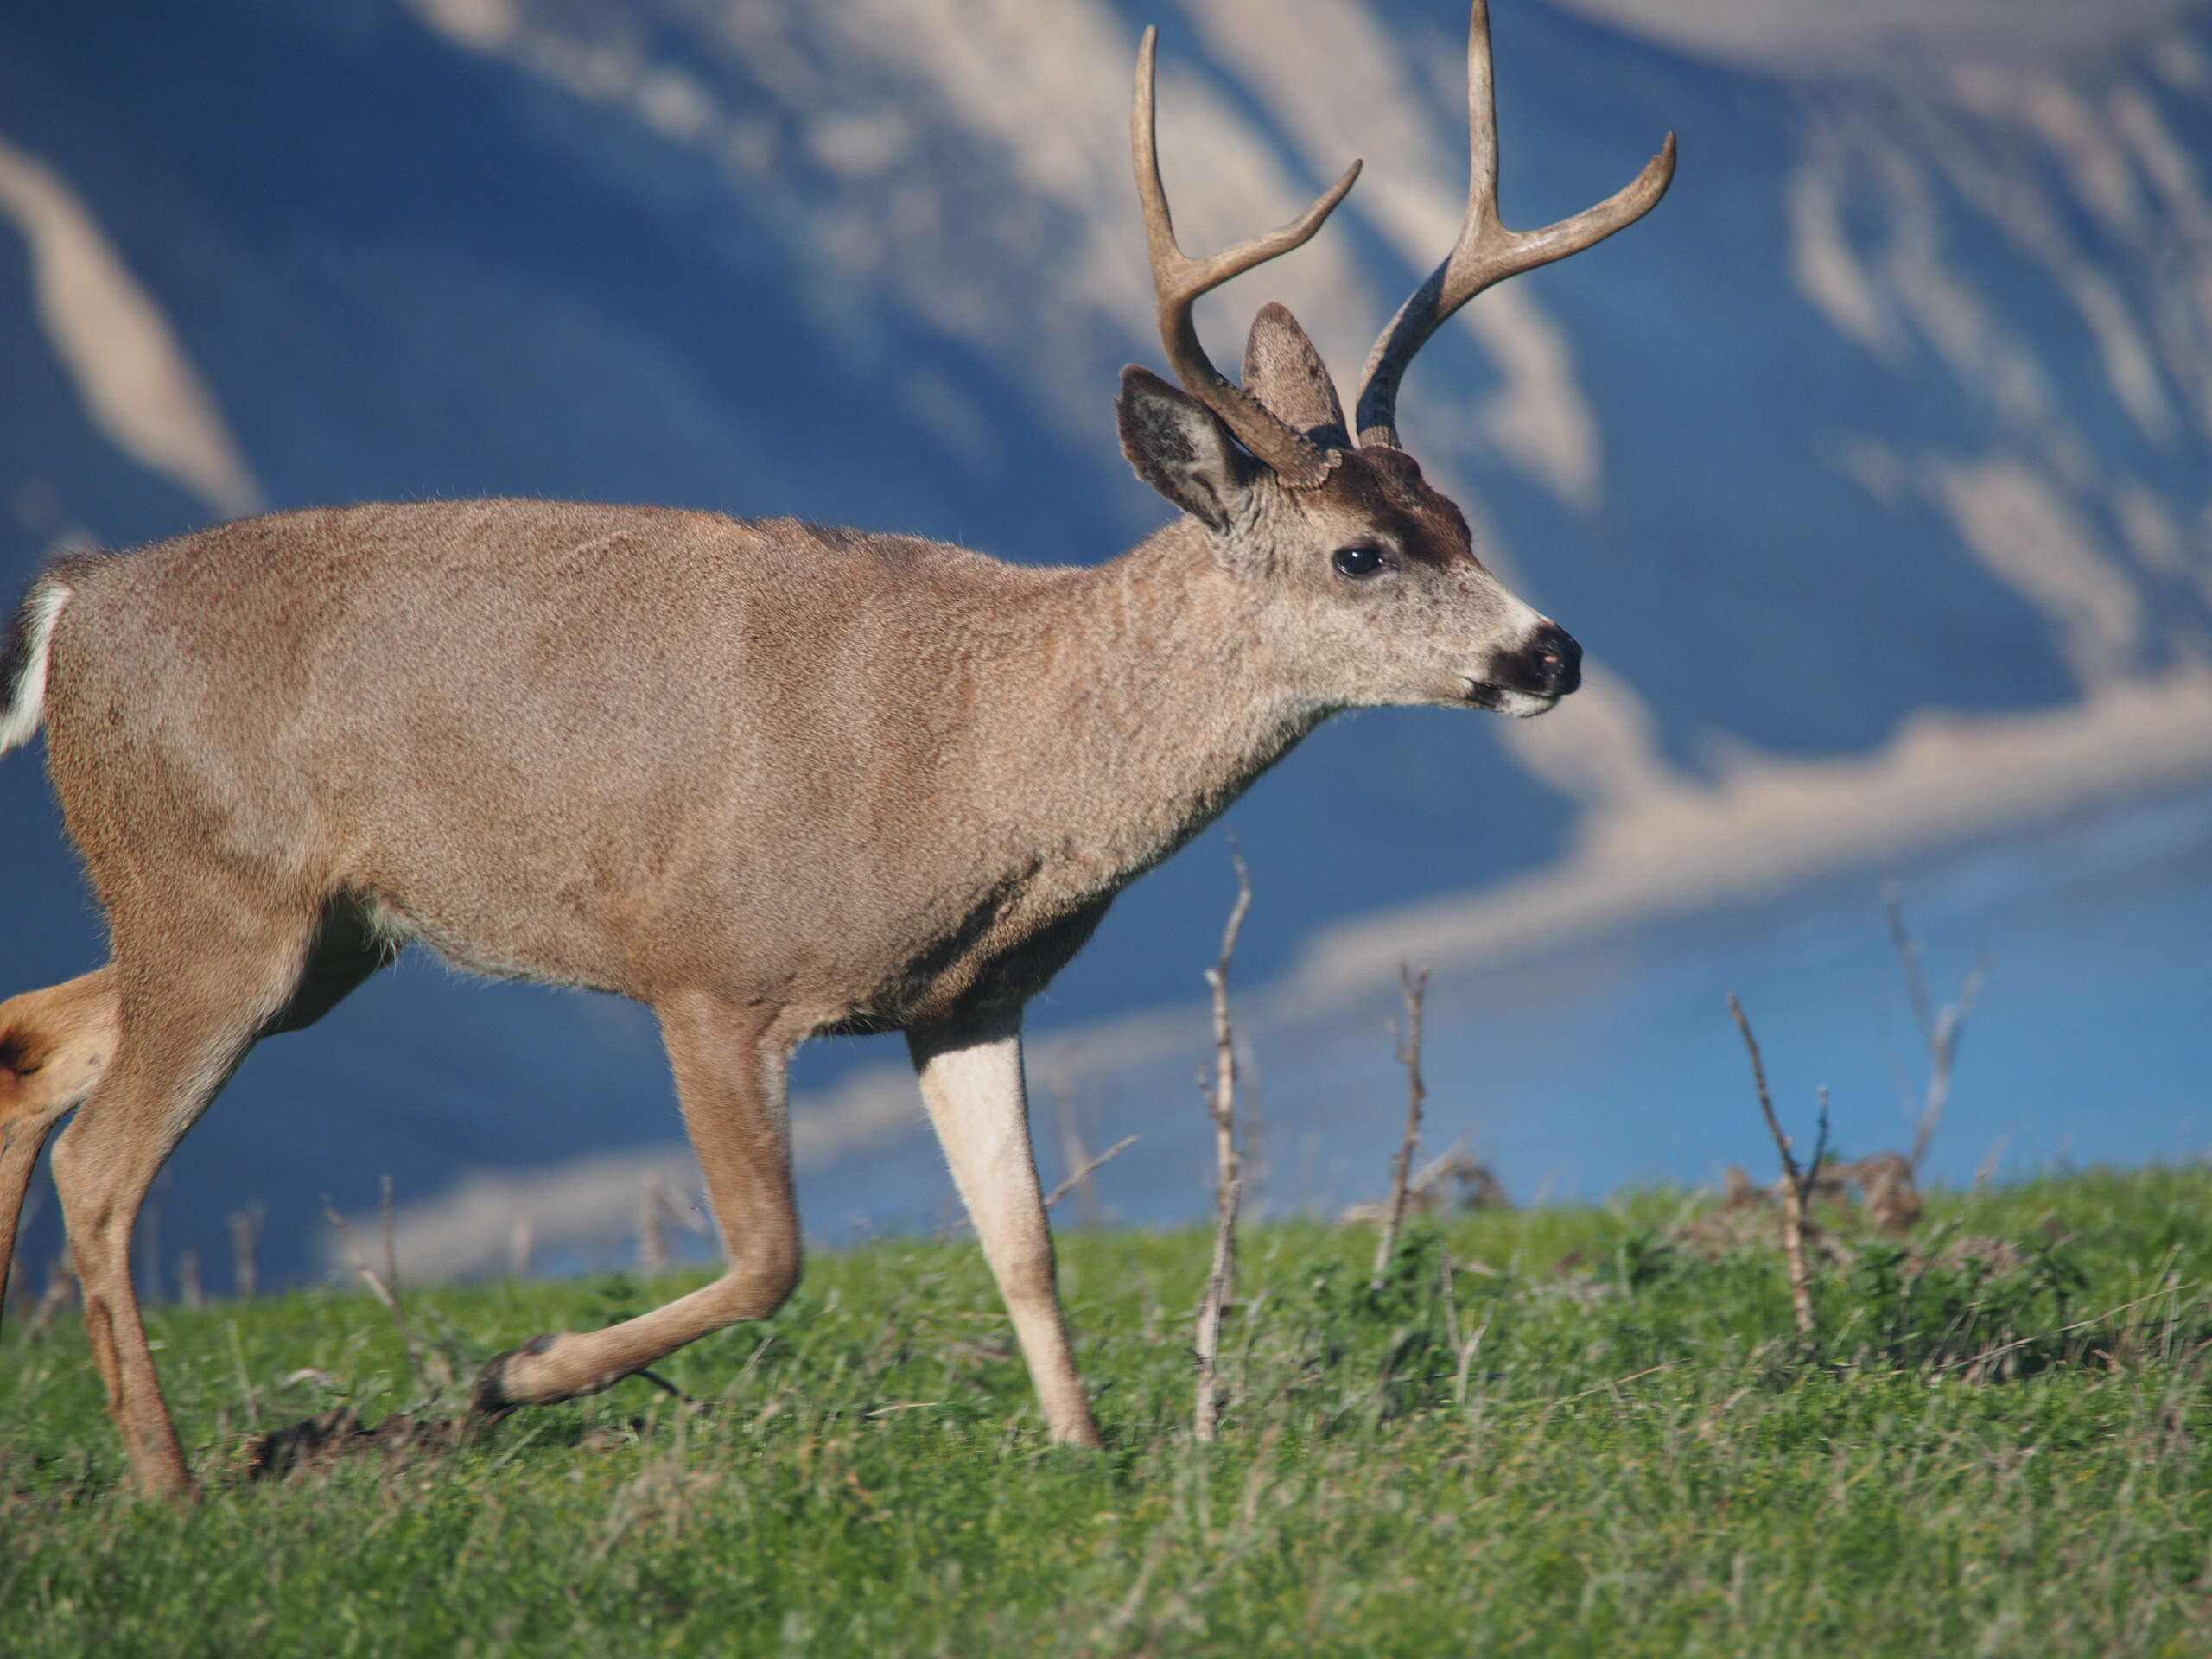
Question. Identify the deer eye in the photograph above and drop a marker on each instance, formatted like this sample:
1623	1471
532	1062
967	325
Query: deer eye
1360	560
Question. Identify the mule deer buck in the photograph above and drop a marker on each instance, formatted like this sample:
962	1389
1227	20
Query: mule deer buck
774	781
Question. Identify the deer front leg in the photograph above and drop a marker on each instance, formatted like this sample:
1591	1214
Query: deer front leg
971	1081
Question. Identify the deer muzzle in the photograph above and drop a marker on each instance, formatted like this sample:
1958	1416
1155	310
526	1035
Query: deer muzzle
1539	672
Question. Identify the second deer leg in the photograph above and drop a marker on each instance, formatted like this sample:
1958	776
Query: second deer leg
730	1080
971	1081
54	1044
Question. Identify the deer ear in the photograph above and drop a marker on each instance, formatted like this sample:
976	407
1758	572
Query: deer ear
1283	371
1180	448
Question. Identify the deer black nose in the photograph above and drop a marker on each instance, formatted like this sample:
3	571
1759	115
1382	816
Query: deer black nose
1551	661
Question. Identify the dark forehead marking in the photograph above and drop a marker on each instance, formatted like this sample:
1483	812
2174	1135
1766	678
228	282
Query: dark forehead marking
1386	485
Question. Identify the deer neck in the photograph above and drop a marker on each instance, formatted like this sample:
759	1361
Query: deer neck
1161	705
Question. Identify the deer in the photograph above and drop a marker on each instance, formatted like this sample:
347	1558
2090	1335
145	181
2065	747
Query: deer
773	780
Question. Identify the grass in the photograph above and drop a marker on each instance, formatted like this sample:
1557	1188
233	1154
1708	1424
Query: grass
1639	1458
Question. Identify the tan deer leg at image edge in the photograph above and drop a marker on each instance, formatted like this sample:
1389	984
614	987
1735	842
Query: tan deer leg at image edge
53	1045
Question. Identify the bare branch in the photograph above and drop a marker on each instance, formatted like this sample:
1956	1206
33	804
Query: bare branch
245	1378
1228	1185
1908	949
1796	1183
61	1284
652	1236
385	1213
1451	1297
1943	1055
246	1234
1940	1028
1081	1176
1413	987
1766	1100
429	1366
1077	1153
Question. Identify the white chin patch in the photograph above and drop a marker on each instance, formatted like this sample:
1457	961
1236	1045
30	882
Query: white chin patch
1522	705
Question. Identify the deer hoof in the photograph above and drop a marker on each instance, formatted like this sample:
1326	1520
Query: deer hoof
490	1397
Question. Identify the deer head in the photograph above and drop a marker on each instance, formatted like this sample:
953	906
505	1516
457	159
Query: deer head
1367	588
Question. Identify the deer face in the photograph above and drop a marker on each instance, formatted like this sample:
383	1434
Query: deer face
1390	604
1365	586
1371	590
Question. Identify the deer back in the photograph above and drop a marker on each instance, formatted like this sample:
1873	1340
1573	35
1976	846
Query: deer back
615	746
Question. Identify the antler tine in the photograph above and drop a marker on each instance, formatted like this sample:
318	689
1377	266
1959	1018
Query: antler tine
1177	280
1487	252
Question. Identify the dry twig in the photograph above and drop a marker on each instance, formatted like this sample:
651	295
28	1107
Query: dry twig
1453	1180
430	1368
1414	988
1080	1177
245	1378
246	1234
387	1216
1464	1351
652	1234
1940	1028
61	1284
1796	1183
1078	1158
1229	1186
1908	949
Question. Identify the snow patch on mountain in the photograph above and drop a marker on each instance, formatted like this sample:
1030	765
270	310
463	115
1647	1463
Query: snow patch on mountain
135	379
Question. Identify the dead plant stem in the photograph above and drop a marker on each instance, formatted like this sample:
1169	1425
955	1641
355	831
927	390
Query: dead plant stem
1796	1183
1413	987
1229	1186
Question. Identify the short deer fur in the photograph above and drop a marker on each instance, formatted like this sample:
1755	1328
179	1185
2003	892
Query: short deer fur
773	780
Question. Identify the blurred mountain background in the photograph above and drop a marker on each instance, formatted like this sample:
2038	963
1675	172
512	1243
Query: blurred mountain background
1870	469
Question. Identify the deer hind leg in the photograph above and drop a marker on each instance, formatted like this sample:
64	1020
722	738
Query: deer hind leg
971	1081
192	1003
730	1080
55	1042
53	1045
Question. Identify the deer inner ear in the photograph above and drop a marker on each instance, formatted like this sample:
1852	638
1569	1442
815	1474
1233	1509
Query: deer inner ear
1180	448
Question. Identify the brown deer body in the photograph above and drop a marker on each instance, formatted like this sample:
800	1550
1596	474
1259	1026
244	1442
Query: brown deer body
772	780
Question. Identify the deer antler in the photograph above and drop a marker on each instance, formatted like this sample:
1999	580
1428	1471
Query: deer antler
1487	252
1177	280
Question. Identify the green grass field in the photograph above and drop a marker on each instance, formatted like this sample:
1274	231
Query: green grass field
1637	1456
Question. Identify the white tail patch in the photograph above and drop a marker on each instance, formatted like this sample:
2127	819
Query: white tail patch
22	705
